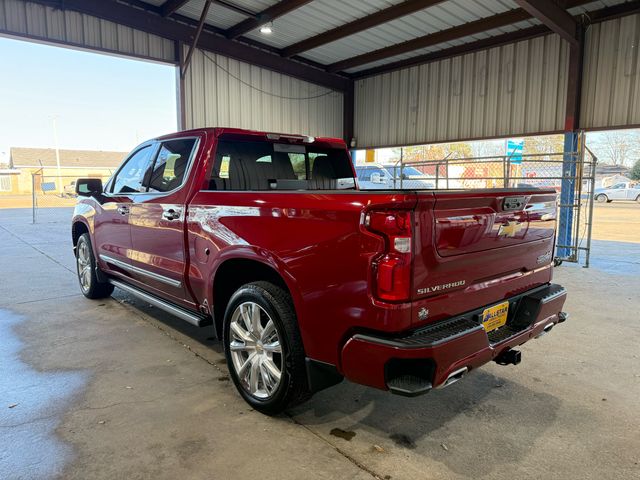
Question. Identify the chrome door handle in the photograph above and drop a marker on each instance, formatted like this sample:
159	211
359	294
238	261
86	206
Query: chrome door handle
171	214
123	210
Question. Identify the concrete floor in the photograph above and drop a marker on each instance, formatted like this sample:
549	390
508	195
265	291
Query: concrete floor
116	389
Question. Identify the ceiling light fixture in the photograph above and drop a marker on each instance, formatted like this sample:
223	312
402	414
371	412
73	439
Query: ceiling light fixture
266	28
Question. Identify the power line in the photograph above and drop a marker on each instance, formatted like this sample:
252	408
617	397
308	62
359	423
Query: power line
212	60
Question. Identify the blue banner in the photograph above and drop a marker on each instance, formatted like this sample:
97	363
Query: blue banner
514	151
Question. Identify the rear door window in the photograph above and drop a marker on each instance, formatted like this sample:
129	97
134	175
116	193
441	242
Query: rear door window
274	166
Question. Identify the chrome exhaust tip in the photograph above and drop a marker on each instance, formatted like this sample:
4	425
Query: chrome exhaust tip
454	377
547	328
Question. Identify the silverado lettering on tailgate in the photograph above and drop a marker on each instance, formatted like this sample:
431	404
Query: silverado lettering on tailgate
440	288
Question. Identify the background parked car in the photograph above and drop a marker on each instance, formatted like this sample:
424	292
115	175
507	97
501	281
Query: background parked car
69	190
384	177
619	191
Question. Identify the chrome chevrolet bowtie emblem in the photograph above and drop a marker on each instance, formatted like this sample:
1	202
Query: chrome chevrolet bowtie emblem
510	229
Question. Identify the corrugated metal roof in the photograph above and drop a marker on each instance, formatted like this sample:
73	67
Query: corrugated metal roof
441	46
400	30
590	7
218	15
319	16
322	15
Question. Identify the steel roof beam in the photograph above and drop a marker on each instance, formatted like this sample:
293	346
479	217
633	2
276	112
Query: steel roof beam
557	19
490	42
383	16
171	6
596	16
268	15
150	22
184	66
459	31
453	33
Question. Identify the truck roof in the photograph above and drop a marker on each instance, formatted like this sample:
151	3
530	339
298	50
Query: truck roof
254	135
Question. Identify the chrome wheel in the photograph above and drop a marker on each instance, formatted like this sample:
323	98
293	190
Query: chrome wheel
83	260
256	352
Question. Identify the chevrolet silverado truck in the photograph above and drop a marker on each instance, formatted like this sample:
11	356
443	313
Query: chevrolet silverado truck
308	280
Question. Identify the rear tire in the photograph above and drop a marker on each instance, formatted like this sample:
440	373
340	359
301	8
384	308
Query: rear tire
86	266
263	347
602	198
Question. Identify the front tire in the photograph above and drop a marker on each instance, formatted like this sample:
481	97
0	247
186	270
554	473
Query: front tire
86	266
264	348
601	198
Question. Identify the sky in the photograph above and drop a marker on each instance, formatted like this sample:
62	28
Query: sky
98	101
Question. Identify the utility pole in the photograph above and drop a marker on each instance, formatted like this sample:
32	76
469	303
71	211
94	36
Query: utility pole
55	140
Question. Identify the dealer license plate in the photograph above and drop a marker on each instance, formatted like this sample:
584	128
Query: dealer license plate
495	317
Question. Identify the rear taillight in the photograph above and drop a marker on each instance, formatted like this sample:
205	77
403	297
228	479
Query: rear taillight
392	268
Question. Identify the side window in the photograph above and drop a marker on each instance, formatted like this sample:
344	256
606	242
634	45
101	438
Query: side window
171	165
131	176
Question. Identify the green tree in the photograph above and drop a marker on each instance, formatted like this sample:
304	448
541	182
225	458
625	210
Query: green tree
635	171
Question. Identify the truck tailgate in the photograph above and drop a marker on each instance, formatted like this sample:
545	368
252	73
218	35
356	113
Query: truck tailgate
477	246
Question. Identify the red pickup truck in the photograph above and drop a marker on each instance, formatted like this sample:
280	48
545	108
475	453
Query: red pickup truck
307	279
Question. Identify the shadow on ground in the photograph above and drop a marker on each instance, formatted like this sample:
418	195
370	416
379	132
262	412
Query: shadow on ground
437	424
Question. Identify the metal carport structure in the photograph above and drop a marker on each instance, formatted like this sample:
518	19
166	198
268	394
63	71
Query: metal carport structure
375	72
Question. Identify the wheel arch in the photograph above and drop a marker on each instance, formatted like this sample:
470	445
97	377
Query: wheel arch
78	228
234	272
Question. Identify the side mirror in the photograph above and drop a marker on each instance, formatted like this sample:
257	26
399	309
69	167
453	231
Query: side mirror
376	178
89	187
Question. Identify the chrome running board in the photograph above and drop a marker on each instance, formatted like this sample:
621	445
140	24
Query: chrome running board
183	314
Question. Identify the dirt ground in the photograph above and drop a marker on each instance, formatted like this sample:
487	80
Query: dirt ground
617	221
44	201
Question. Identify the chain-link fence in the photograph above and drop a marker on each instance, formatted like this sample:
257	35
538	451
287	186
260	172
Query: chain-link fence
53	197
572	173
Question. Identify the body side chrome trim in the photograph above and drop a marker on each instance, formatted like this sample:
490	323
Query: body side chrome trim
141	271
399	344
181	313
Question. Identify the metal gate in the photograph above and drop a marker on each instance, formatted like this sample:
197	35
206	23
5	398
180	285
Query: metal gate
572	170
